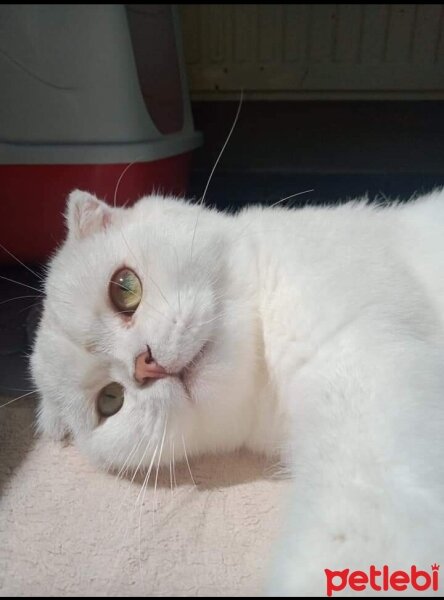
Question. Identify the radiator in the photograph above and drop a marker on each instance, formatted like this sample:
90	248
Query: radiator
315	50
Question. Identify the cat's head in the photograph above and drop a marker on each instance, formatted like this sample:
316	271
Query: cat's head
145	340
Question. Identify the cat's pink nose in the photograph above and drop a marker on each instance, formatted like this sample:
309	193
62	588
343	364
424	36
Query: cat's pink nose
147	368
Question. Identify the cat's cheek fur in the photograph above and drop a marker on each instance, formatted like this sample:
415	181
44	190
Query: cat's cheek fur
50	423
67	377
133	436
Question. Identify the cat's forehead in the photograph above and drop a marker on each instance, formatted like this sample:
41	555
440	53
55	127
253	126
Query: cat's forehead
151	222
167	243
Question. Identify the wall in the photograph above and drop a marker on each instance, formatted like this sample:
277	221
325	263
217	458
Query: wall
315	51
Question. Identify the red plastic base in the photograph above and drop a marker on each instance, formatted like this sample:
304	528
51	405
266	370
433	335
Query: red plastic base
33	198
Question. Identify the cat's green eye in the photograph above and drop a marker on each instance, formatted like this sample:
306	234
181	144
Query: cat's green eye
125	290
110	399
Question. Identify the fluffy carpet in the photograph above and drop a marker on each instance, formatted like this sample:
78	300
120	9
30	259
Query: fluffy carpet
68	530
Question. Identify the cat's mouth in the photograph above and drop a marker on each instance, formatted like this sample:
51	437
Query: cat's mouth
188	373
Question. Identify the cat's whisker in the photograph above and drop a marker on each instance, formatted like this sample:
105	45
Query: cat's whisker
113	460
22	310
171	470
223	147
160	291
146	479
187	461
215	166
16	399
123	312
119	511
174	468
158	465
142	270
136	470
136	260
20	262
14	389
216	318
22	284
291	196
144	488
102	511
229	310
17	298
141	492
147	274
120	179
123	468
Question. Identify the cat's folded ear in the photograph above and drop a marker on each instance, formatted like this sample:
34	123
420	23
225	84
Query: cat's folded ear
85	214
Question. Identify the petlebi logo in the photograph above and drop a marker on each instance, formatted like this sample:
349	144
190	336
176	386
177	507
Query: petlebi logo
383	580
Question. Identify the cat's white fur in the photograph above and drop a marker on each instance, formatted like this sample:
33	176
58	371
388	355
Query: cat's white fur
323	340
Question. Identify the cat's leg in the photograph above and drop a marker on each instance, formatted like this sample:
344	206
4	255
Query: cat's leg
367	459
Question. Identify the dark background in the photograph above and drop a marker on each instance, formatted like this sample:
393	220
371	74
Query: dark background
341	149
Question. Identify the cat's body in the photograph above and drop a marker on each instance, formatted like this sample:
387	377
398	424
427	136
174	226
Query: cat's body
315	333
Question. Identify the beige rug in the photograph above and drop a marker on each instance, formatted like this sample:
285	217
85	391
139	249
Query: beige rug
66	529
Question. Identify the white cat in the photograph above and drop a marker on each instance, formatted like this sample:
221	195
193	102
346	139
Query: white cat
315	333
